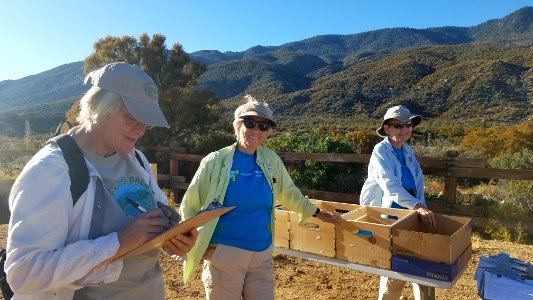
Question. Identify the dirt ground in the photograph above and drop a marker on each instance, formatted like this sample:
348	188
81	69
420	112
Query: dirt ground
297	278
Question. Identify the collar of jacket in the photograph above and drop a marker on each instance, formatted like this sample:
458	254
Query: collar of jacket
405	147
407	153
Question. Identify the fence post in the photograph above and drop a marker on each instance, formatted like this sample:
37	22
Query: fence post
450	182
173	171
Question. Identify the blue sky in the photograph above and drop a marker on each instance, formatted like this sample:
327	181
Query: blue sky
40	35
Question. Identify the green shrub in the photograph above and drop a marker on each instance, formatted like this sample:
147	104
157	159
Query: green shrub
519	160
324	176
496	230
434	189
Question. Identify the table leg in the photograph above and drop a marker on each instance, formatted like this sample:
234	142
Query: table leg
427	292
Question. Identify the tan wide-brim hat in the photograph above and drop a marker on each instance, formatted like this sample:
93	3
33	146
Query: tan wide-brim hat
136	88
401	113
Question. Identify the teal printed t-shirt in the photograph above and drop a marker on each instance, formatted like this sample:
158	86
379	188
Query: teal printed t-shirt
246	226
408	181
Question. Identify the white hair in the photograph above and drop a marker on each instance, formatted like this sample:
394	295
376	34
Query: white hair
96	104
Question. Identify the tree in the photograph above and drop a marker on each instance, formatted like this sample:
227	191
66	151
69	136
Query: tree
192	114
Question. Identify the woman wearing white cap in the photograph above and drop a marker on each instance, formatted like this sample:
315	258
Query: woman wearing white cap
64	248
395	180
237	248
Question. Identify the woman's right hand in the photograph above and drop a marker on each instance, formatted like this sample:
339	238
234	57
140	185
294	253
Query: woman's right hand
428	217
145	227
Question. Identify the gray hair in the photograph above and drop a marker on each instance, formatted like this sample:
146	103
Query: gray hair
96	104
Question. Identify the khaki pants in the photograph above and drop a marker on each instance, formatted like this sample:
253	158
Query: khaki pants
391	289
234	273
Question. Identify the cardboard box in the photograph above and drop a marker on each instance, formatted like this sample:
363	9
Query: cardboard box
364	237
338	207
430	269
281	228
443	244
314	236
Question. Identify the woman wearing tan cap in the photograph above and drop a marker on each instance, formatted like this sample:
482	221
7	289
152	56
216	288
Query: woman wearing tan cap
395	180
63	247
237	248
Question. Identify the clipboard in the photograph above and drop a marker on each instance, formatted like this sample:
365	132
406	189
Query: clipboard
197	221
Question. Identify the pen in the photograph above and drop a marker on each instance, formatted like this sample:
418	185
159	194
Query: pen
137	206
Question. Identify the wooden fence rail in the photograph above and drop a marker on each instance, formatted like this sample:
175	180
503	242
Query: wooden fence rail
451	168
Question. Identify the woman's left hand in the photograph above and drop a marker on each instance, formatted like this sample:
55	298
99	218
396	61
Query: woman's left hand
329	217
181	244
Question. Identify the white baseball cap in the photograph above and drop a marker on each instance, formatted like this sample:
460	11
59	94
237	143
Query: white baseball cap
137	90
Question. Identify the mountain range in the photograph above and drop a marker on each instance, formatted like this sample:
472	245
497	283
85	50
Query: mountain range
483	72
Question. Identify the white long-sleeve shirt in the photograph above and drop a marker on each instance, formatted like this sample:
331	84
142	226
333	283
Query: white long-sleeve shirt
49	255
384	182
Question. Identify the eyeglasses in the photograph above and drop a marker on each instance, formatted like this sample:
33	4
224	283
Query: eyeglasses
131	121
402	125
250	123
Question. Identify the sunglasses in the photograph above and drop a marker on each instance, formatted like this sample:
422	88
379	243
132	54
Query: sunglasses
250	123
402	125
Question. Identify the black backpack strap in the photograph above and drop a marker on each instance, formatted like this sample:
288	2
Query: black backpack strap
4	285
139	159
77	167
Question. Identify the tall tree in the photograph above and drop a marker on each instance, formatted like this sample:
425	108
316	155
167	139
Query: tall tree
191	113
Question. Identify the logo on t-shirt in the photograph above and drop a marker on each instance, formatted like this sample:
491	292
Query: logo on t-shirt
233	175
133	196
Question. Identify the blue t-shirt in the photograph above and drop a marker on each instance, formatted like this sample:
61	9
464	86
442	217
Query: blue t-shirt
408	181
246	226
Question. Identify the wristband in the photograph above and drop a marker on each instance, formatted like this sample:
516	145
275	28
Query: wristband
316	212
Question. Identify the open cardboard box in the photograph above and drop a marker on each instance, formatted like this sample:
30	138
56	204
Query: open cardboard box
443	244
364	236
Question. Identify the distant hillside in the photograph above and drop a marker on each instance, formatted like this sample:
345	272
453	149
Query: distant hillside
60	83
516	28
482	72
478	82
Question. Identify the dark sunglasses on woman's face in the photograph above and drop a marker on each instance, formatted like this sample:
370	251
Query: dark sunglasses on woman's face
402	125
250	123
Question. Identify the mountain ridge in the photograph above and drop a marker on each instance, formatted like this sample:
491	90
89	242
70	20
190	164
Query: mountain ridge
348	74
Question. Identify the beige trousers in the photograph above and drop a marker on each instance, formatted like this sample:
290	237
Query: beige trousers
234	273
391	289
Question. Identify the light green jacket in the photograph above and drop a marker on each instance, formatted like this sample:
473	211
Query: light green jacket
211	181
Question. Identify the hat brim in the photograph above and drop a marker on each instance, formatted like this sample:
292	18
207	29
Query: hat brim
145	112
416	119
255	114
